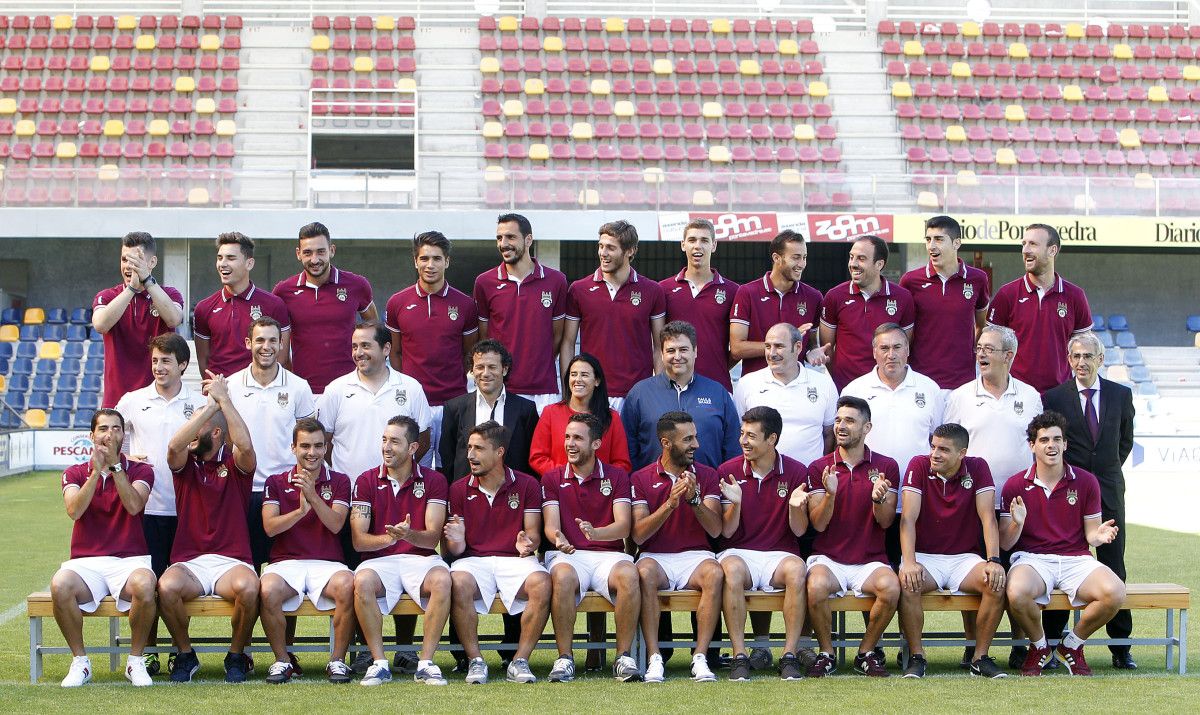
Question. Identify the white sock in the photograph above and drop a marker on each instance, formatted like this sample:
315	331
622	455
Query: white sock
1039	643
131	659
1072	641
422	664
382	663
82	659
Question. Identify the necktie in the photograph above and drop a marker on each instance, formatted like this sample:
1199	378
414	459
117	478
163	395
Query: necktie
1089	414
494	405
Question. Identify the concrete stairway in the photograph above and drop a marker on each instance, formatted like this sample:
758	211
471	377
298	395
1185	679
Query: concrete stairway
1175	370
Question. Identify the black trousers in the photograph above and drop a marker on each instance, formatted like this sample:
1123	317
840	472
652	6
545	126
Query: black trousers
260	543
160	537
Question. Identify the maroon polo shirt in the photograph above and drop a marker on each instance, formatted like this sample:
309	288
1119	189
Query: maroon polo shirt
521	316
106	528
617	330
759	306
224	320
430	327
389	506
1054	524
949	520
1043	326
127	342
944	335
853	536
211	498
308	538
682	530
708	311
855	318
491	528
591	499
764	521
323	320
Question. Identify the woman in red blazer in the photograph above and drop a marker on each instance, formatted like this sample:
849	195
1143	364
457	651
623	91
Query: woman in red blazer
584	390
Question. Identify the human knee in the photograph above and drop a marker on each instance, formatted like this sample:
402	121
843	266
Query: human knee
710	575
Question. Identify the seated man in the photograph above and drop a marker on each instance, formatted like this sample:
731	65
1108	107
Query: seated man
396	524
105	497
303	510
851	504
763	495
676	509
211	553
494	529
1049	518
586	506
947	505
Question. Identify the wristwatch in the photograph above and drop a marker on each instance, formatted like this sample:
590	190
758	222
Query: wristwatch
149	280
114	469
995	560
695	500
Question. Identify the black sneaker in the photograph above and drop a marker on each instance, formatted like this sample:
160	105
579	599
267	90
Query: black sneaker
915	668
789	667
277	674
986	667
185	666
968	656
870	664
1016	657
237	667
361	662
822	666
152	664
404	663
297	670
806	656
761	659
739	667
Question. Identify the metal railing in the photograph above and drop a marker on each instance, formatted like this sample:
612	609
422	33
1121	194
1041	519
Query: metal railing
847	14
425	11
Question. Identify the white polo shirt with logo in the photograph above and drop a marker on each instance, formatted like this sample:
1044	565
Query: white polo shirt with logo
357	417
996	425
901	419
807	405
151	421
270	412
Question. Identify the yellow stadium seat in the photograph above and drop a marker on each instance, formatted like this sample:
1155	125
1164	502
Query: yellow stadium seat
50	351
1072	93
539	152
1118	373
493	130
127	22
588	197
364	64
206	105
158	128
534	85
712	110
1196	340
913	48
719	154
749	68
928	200
8	105
1157	94
721	26
601	87
663	66
320	43
789	47
955	133
34	316
114	128
1073	31
966	177
386	23
9	333
185	84
804	133
960	70
100	63
1142	180
108	172
36	419
552	44
969	29
493	174
1122	51
210	43
1018	51
1191	73
144	43
63	22
489	65
508	23
1014	113
66	150
1129	138
623	108
581	131
25	128
790	177
513	108
818	89
1006	157
198	196
653	175
614	24
406	84
3	384
226	128
702	197
902	90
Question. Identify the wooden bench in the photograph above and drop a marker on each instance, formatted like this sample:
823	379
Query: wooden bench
1168	597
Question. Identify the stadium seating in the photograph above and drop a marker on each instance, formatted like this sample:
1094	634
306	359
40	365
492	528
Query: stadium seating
362	53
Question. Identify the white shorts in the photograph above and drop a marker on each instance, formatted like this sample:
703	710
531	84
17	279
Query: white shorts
499	574
1065	572
401	574
679	567
105	576
850	577
542	401
307	577
948	571
435	438
592	568
209	568
760	564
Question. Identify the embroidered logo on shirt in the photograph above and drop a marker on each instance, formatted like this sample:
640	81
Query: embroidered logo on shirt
812	394
255	312
764	299
635	298
920	399
1019	407
606	487
341	294
967	482
418	489
1062	310
703	400
402	397
968	291
218	309
1072	496
281	399
874	475
781	490
297	292
802	308
410	306
188	410
513	501
223	471
719	296
593	288
154	312
1020	301
547	298
326	492
891	306
452	312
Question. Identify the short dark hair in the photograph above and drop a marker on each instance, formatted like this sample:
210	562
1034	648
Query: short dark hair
381	335
952	228
702	224
309	425
139	239
768	418
1046	420
491	345
107	412
674	329
495	433
412	430
783	238
242	240
954	432
522	223
264	321
314	230
880	246
431	238
857	403
670	421
1053	239
172	344
623	231
595	429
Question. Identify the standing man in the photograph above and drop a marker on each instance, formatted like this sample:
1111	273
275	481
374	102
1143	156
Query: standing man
523	305
1043	309
104	498
805	398
779	297
433	328
130	313
324	304
617	314
950	302
679	388
704	298
853	310
223	319
1099	436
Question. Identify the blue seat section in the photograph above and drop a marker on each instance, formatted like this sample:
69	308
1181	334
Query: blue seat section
73	351
1133	358
1117	322
77	333
70	366
67	383
1098	322
96	349
1139	373
1125	339
94	366
22	366
81	316
83	419
29	351
7	351
16	401
55	333
46	367
88	401
56	316
1106	339
43	383
63	401
9	420
95	336
1193	323
90	383
18	383
60	419
39	401
30	333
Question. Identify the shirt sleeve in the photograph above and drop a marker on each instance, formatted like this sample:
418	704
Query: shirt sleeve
733	428
1009	491
891	472
630	419
658	306
559	307
815	485
436	489
618	443
572	308
389	314
638	497
983	293
908	313
200	320
102	298
911	482
1083	314
141	472
707	482
829	311
365	296
531	496
479	295
270	491
740	312
174	294
1000	312
982	477
420	409
341	490
470	317
457	491
622	489
327	408
72	477
550	489
539	446
305	405
831	398
280	313
1091	500
739	396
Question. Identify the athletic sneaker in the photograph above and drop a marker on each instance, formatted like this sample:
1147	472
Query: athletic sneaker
80	672
1073	659
1016	657
968	656
761	659
789	667
986	667
870	664
806	656
625	669
237	667
280	673
405	663
739	667
297	671
152	664
362	662
477	672
135	672
563	670
518	671
701	673
338	672
376	675
822	666
1035	660
916	666
185	666
430	675
655	669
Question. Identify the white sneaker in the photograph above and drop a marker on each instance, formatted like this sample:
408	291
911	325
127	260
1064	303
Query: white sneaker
701	673
654	669
136	673
430	675
477	672
80	672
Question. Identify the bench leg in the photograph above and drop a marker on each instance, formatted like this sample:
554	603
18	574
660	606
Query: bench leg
1170	639
35	648
114	633
1183	626
331	638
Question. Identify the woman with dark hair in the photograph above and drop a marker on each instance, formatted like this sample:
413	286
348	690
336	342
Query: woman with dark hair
584	390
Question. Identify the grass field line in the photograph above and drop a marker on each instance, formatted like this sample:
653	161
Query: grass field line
17	610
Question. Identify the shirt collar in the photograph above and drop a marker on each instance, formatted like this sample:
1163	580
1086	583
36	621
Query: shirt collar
334	278
1031	473
777	470
227	295
681	277
418	472
981	391
324	476
510	478
877	381
885	288
279	381
394	378
837	457
538	270
801	377
930	271
597	473
183	394
1057	286
598	276
770	287
441	294
481	402
1094	386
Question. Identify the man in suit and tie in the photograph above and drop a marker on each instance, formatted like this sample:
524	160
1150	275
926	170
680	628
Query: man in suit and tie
1099	436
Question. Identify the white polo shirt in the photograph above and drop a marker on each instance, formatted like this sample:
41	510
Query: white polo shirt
150	422
807	405
996	425
901	419
357	416
270	413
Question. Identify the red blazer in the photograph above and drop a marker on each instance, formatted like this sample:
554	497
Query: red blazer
546	451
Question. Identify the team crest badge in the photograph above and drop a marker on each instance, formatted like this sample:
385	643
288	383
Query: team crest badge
402	397
282	399
812	394
255	312
874	475
1019	407
326	492
720	296
154	312
920	400
223	472
968	291
802	308
636	298
891	306
419	489
513	501
1072	496
782	490
188	411
547	299
1062	310
453	312
606	487
341	294
967	482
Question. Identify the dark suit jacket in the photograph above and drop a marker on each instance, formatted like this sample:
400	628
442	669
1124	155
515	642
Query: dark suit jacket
1105	456
458	419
